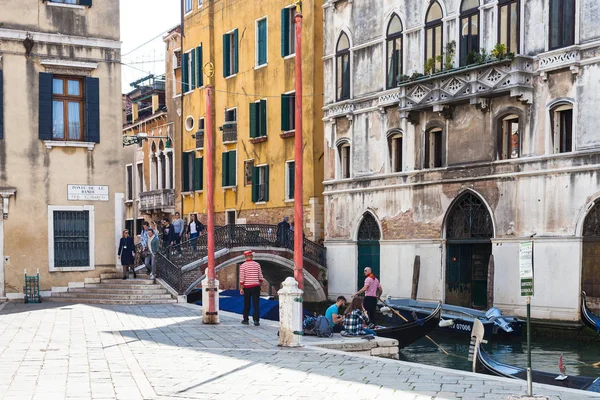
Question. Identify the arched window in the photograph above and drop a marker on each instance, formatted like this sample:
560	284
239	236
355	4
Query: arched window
394	51
509	137
342	56
469	218
434	154
561	117
434	36
368	231
469	31
509	20
562	23
395	148
344	154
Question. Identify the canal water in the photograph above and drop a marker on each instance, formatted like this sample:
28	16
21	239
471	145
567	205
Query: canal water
578	356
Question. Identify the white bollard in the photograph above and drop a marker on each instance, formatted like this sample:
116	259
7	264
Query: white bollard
206	290
290	314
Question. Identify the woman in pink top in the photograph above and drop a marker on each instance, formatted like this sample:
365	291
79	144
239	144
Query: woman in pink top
371	289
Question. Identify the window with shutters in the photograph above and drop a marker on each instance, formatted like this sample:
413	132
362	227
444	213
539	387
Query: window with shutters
434	36
288	116
261	42
228	168
71	238
434	156
562	23
140	180
230	126
394	51
248	167
562	127
260	184
198	67
230	53
67	108
395	149
509	19
290	170
288	31
188	71
344	156
343	68
200	134
188	6
469	31
129	181
199	174
258	119
509	140
188	166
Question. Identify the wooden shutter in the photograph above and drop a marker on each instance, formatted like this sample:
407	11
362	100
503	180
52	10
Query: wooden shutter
186	172
285	32
198	173
231	168
285	112
255	181
199	75
266	167
291	179
235	51
193	71
1	106
224	165
87	3
253	120
226	55
92	110
185	87
45	106
263	118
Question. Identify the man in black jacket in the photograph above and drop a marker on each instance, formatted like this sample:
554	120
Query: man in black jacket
168	233
282	231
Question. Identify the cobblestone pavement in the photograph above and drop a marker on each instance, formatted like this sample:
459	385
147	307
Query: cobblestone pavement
76	351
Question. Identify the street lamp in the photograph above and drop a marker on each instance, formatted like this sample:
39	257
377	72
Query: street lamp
129	140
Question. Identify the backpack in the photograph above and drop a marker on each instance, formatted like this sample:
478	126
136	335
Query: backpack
323	327
308	326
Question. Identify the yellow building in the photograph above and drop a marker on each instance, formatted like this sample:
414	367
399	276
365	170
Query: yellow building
252	48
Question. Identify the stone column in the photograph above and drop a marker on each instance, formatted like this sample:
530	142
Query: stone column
290	314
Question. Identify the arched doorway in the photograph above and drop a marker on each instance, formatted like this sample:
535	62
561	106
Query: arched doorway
590	274
469	230
368	247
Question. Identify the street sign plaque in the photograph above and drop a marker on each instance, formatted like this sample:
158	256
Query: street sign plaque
526	268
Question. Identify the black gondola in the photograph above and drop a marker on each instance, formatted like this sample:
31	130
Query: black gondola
588	318
483	363
412	331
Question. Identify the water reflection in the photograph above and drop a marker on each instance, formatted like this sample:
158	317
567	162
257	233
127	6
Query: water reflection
578	357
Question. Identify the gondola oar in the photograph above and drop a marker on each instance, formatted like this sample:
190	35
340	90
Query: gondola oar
405	320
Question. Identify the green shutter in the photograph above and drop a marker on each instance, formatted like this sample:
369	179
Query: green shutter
199	75
255	180
92	109
266	167
224	165
253	120
45	106
193	71
285	112
185	87
262	42
232	170
263	118
285	32
198	173
235	51
226	53
291	179
186	172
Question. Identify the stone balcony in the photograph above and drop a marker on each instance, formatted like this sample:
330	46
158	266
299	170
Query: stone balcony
162	200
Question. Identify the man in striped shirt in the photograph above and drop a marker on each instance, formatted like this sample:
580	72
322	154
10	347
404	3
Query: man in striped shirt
250	280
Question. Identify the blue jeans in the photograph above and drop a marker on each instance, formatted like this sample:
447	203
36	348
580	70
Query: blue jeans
193	238
370	332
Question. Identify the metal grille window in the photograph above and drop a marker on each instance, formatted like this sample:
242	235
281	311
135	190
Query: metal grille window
71	238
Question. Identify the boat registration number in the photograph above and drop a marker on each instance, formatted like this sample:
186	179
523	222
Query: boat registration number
462	327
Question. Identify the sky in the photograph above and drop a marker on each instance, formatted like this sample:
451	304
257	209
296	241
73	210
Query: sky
141	21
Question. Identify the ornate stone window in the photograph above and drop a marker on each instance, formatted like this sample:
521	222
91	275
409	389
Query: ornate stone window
509	137
342	57
394	52
395	149
509	20
368	230
434	36
433	152
469	31
469	219
562	23
561	117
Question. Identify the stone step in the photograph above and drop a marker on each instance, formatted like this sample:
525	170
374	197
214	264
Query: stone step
123	286
128	281
148	290
107	301
112	296
111	275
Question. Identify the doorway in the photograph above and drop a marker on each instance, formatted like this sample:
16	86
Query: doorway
368	248
590	273
469	230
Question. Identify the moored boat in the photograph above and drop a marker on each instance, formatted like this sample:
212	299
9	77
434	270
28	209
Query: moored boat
588	318
414	330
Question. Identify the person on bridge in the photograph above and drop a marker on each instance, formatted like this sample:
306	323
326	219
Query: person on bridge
372	291
250	280
282	231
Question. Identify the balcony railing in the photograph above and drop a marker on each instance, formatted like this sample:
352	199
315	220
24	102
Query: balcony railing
229	132
162	199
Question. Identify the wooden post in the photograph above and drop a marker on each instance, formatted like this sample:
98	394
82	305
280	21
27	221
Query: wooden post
416	276
490	282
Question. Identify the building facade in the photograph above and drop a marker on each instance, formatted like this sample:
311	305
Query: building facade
60	151
454	131
251	48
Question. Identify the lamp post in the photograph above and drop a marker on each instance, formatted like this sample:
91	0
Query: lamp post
298	186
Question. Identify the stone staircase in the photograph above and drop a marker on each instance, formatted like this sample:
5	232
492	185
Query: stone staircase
108	289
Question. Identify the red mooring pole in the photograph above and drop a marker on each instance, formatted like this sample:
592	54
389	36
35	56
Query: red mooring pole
298	189
210	188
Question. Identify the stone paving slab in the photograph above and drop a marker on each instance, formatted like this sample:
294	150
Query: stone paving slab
77	351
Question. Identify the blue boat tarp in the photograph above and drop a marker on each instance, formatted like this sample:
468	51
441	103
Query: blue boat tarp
232	301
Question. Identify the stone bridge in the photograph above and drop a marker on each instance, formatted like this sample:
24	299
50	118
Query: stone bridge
183	266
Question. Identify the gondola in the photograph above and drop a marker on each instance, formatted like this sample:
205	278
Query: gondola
483	363
411	331
588	318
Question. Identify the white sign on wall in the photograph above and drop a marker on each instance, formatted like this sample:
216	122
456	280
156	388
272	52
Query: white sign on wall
87	192
526	268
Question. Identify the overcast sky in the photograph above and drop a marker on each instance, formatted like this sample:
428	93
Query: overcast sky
142	20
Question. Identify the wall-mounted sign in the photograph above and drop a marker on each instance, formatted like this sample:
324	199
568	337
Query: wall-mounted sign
87	192
526	268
